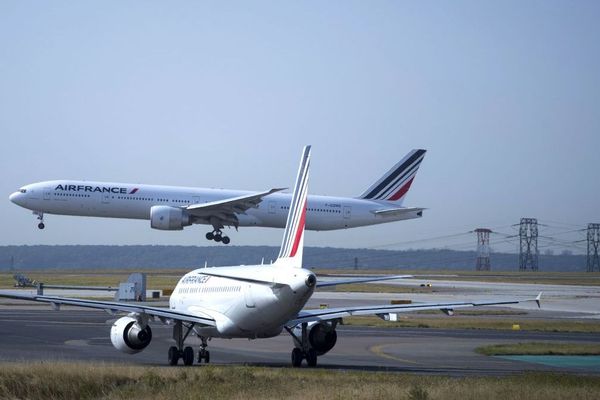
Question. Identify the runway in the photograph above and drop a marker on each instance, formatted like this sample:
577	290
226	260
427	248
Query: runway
37	333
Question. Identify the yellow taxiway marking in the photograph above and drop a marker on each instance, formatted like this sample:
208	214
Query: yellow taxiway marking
379	350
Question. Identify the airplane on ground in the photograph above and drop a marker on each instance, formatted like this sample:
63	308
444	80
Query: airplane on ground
173	208
254	302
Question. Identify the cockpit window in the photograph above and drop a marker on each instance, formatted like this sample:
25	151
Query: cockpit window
23	190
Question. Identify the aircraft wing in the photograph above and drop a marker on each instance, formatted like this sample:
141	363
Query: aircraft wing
227	208
360	280
163	314
341	312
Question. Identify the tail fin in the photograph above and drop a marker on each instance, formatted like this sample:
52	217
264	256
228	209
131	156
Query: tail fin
292	246
394	185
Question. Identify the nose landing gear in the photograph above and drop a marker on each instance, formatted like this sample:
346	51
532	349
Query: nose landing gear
40	217
203	354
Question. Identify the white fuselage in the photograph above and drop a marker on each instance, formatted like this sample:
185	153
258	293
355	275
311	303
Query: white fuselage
243	309
124	200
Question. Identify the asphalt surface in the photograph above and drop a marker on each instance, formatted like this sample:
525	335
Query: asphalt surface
39	333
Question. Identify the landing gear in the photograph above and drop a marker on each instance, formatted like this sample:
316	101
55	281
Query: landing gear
297	357
311	358
187	353
217	233
203	354
173	357
40	217
303	351
217	236
177	352
188	356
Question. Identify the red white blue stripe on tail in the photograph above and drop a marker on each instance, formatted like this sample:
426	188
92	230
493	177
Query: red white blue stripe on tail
394	185
293	238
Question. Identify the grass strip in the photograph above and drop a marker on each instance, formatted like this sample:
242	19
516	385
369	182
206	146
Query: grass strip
483	322
540	349
51	380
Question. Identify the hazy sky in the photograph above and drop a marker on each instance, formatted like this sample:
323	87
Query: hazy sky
504	95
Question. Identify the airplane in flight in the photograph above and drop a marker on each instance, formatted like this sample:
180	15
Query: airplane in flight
253	302
173	208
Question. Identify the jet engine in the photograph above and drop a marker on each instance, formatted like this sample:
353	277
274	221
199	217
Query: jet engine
168	218
321	336
128	336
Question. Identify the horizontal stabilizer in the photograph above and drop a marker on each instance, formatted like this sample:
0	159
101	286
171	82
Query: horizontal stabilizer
395	212
238	274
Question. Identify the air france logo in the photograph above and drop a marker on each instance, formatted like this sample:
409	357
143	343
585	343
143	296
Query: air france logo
101	189
195	279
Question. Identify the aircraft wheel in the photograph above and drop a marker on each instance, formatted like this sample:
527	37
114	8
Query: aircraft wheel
210	236
217	238
188	356
41	225
173	355
226	240
204	355
296	357
311	358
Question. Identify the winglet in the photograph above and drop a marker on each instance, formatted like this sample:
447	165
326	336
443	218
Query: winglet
538	300
292	245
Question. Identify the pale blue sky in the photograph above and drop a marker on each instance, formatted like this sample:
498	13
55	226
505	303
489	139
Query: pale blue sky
504	95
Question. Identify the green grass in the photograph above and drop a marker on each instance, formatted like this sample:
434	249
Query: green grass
376	288
107	278
167	278
541	349
427	275
92	381
459	322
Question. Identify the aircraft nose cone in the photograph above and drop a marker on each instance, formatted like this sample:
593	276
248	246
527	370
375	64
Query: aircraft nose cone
15	197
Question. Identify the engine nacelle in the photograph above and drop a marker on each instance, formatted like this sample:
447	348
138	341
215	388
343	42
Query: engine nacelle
169	218
321	336
128	336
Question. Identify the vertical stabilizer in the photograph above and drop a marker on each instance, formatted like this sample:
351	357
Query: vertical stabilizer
292	246
394	185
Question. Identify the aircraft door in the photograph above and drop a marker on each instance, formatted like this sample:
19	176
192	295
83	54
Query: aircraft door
272	207
47	191
248	296
347	212
105	198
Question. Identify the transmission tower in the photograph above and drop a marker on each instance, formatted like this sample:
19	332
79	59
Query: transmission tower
593	242
528	249
483	249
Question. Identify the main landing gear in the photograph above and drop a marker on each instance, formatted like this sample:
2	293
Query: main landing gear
40	217
217	236
186	353
302	350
